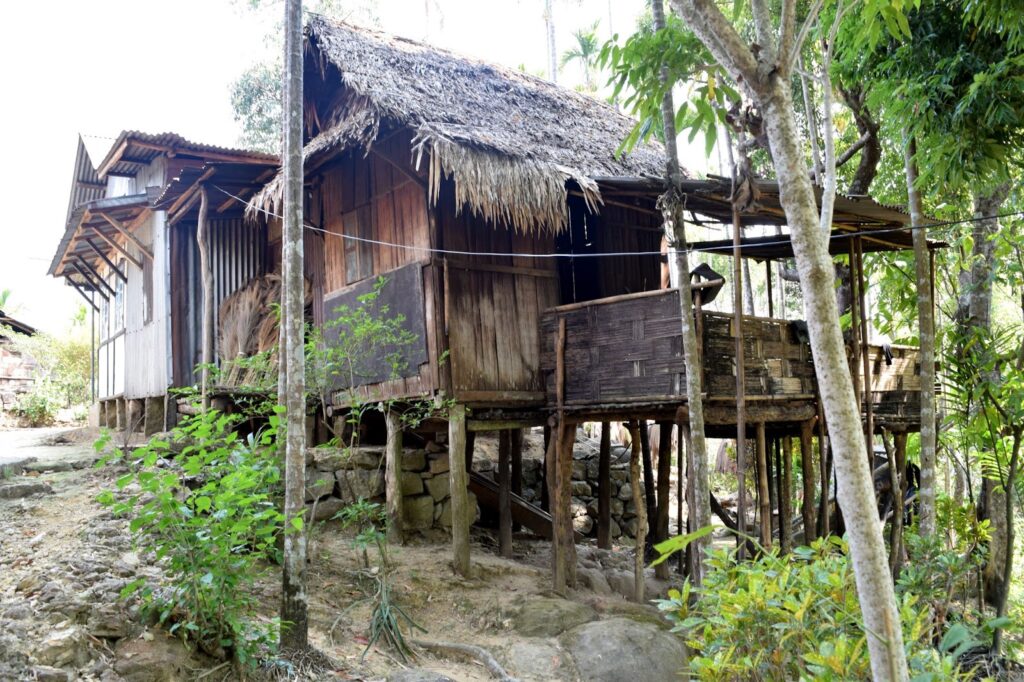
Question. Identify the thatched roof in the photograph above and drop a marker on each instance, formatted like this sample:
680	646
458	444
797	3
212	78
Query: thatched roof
510	141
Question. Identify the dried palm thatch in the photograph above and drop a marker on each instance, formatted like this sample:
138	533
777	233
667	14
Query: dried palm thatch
248	334
510	142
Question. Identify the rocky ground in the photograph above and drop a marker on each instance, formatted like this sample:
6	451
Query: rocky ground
64	560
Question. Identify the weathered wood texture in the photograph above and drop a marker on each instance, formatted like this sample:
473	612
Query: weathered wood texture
628	350
493	306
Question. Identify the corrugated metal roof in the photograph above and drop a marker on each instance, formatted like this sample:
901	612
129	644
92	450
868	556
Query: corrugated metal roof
134	149
86	184
124	209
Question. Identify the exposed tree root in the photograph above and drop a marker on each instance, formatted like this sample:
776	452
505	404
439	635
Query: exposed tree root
470	651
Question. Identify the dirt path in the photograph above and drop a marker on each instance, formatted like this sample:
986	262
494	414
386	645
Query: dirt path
64	560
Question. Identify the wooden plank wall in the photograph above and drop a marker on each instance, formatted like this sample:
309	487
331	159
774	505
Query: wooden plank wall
375	189
494	306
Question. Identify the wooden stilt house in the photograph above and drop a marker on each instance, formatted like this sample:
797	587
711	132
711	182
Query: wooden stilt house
521	247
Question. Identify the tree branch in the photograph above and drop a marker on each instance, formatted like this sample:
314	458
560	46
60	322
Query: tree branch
763	29
789	53
853	149
714	30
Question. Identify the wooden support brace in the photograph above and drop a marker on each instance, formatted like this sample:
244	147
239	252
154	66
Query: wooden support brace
120	227
117	247
117	271
83	294
94	280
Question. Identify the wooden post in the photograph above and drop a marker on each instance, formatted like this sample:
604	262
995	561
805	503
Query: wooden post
458	484
771	451
682	448
807	465
545	490
206	269
664	490
517	466
741	390
786	497
899	495
505	493
869	408
645	448
826	475
762	488
641	515
563	544
393	475
604	489
470	446
768	285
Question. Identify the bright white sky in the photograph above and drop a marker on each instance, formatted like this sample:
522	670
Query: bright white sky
101	66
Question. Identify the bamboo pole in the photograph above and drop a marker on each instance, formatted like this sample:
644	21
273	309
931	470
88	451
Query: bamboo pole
206	269
807	466
645	448
786	497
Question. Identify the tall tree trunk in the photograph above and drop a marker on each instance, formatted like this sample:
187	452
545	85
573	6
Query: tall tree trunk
549	27
855	489
926	324
974	316
675	232
294	605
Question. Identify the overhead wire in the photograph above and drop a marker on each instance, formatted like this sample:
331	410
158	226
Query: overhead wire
610	254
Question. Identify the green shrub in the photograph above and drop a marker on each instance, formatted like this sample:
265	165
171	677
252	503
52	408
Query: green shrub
36	409
209	517
790	618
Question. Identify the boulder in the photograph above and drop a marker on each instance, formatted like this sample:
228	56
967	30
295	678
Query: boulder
17	489
47	673
411	483
625	492
318	484
538	660
325	509
158	659
439	464
66	646
359	484
549	616
418	512
583	524
579	470
594	580
623	649
416	675
439	487
581	489
414	460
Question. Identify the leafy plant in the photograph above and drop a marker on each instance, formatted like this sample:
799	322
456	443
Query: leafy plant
36	409
209	517
788	618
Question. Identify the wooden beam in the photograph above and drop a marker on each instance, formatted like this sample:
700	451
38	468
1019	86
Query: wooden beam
82	293
117	247
458	485
393	475
110	263
119	226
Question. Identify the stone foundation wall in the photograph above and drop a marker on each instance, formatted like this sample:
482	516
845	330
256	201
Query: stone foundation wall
336	477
